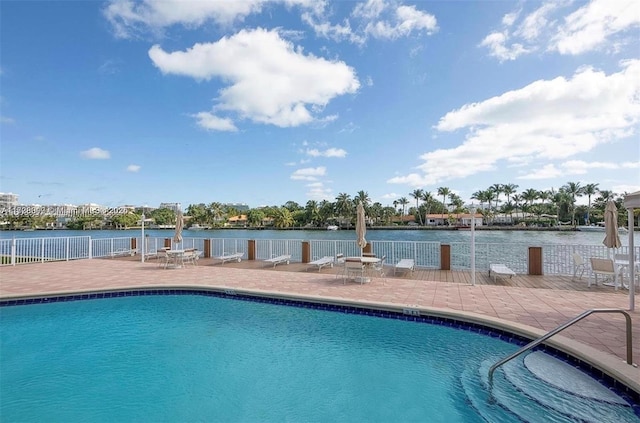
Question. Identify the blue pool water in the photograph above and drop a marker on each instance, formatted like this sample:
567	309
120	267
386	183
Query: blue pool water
199	358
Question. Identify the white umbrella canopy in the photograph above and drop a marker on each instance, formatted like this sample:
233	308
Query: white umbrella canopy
361	226
611	239
177	238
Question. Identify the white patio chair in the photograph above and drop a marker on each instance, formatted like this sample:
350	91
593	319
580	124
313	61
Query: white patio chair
578	265
378	269
353	269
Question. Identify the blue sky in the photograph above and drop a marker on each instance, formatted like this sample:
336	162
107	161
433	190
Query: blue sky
128	102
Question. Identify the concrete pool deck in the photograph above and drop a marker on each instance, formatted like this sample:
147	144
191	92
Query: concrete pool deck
599	339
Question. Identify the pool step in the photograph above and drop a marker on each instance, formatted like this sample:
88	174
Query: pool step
559	386
563	394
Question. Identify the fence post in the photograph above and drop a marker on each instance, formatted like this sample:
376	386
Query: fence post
306	252
535	261
445	257
13	252
67	249
167	243
90	248
207	248
251	249
367	248
134	244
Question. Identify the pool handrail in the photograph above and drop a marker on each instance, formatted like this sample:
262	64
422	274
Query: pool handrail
560	328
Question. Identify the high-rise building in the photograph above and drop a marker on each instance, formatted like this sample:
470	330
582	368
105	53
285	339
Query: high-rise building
8	199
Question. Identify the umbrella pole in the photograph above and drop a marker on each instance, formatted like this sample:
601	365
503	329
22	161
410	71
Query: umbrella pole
632	262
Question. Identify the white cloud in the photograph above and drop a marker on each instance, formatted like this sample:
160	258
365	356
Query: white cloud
309	173
545	120
95	153
496	42
566	27
375	18
6	120
591	26
130	18
317	191
214	123
133	168
405	20
330	152
270	81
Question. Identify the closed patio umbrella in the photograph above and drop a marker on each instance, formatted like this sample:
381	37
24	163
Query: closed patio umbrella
177	238
361	227
611	239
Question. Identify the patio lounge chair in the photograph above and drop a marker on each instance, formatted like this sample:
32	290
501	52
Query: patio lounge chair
285	258
322	262
404	265
604	267
229	257
500	269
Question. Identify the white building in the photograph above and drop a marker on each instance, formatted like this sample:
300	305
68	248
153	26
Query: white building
8	199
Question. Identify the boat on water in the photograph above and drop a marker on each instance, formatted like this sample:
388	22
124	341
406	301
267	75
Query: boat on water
599	228
196	227
332	228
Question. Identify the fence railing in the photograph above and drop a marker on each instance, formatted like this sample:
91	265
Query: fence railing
556	258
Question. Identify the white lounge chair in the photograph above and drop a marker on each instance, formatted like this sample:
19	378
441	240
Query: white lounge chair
322	262
404	265
285	258
500	269
604	267
230	257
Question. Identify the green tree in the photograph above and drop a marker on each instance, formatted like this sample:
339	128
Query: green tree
444	191
589	190
417	194
574	190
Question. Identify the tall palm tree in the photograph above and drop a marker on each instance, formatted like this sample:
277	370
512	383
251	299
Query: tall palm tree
497	190
574	190
403	201
362	197
444	191
417	194
509	190
343	204
589	190
428	199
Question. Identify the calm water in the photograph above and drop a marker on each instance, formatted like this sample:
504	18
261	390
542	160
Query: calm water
443	236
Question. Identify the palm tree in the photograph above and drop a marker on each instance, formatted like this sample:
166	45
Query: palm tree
509	190
282	218
444	191
574	190
362	197
403	201
497	190
418	194
428	199
589	190
343	204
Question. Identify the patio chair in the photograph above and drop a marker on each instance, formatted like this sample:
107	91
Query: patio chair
578	265
339	261
353	268
378	269
603	267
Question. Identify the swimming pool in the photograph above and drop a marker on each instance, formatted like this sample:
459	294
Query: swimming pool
200	357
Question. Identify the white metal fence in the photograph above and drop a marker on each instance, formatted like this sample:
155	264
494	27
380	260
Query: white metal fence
556	259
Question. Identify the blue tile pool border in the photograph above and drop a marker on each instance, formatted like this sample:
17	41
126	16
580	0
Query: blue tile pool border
616	386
